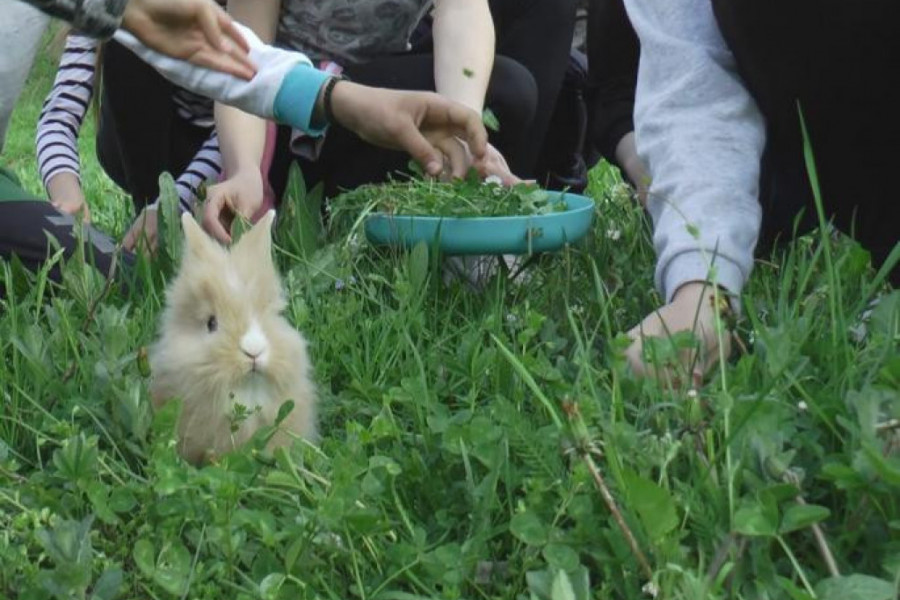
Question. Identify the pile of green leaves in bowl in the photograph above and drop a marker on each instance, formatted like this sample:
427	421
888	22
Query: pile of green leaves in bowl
469	197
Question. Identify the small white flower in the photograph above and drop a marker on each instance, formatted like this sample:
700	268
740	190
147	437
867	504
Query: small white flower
692	393
495	179
613	234
802	406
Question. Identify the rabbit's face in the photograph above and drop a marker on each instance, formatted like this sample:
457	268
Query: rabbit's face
224	323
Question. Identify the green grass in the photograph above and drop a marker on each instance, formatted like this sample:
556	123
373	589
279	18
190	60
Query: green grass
464	433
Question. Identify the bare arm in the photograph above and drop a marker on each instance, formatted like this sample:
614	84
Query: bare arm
242	136
463	50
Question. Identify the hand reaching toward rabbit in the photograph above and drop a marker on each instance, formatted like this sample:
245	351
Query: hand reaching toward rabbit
240	194
142	235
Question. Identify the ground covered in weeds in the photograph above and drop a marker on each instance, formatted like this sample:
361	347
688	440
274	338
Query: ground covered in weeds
476	443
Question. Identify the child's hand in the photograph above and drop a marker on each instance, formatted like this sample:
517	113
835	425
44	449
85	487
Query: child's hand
143	232
692	309
423	124
242	194
197	31
66	196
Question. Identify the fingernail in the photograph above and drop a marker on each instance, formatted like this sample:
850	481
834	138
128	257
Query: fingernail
433	168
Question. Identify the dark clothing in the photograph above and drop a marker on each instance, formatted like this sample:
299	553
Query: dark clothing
613	53
561	164
141	135
27	221
838	61
538	35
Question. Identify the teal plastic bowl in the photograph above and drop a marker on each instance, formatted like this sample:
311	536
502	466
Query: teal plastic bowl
523	234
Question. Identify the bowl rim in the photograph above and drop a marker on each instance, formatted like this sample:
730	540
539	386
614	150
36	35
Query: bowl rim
588	206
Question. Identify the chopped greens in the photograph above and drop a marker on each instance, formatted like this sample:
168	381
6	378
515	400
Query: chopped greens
469	197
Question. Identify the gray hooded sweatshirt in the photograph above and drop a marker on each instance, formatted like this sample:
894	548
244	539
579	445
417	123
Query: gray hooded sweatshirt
701	135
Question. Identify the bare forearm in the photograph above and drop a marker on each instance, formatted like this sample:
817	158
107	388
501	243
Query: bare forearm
463	50
242	137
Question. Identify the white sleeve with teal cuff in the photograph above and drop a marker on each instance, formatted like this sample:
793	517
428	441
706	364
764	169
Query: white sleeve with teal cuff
284	89
701	135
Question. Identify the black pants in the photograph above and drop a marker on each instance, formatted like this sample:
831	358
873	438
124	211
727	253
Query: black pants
613	52
140	136
838	61
538	35
27	222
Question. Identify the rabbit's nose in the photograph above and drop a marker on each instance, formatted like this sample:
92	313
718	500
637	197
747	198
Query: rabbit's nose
253	343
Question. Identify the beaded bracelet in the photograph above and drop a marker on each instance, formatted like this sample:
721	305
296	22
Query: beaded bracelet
326	97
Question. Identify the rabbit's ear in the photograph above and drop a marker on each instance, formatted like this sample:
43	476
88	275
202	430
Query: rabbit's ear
196	240
257	243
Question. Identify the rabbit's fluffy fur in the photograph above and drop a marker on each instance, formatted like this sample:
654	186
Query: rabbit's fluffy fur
224	343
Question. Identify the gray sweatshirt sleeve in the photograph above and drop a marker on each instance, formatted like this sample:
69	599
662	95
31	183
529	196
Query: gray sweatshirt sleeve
94	18
701	136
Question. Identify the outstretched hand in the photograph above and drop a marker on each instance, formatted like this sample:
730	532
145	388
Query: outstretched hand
692	309
197	31
425	125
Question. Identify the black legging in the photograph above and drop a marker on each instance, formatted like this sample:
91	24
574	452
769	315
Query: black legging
538	35
140	136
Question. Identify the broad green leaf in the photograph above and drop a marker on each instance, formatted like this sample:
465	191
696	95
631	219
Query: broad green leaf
170	569
791	589
271	585
68	542
654	505
76	461
239	226
800	516
528	527
855	587
108	586
756	520
560	556
562	587
418	265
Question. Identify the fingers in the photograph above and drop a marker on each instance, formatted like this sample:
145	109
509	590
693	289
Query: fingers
458	157
495	165
142	234
466	123
230	30
213	210
410	139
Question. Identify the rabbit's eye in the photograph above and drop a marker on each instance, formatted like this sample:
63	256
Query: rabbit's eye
212	324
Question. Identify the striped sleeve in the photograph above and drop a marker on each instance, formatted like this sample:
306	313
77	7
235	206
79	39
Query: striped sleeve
95	18
204	168
56	137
